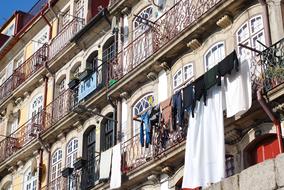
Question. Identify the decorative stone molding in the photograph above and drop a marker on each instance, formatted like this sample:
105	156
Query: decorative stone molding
125	95
12	169
152	76
194	44
168	170
224	22
27	94
126	11
153	178
18	100
20	164
41	81
165	66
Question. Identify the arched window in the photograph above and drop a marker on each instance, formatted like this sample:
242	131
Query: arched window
248	34
56	165
30	180
61	86
7	186
36	106
89	150
183	75
107	133
214	55
141	105
72	151
140	23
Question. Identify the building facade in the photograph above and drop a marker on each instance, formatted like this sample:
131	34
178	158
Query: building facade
75	74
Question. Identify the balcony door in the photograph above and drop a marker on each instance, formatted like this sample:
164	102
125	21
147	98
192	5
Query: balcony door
90	171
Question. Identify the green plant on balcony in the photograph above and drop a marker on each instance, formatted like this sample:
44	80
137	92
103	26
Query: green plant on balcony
275	74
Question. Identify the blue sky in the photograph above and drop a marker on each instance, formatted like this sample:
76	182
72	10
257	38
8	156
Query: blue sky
7	8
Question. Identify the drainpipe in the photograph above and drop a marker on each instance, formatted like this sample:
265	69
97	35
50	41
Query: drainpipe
266	21
273	118
119	121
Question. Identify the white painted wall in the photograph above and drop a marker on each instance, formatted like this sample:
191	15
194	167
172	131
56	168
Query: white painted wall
162	86
124	121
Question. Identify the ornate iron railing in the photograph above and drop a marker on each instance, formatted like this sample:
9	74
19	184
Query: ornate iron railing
21	137
272	61
59	108
24	72
167	27
90	173
63	38
59	183
134	155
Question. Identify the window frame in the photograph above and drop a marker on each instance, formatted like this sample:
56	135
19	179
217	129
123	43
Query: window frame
30	180
56	174
251	35
134	108
210	51
184	79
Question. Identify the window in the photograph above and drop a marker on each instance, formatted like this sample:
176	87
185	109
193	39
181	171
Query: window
10	30
41	39
141	105
61	86
107	133
248	34
65	18
56	164
140	23
230	166
18	61
183	75
30	181
90	144
36	106
178	78
72	151
79	8
214	55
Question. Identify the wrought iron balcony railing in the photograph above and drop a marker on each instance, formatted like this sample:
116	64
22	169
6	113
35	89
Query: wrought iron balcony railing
21	137
24	72
272	61
134	155
63	38
167	27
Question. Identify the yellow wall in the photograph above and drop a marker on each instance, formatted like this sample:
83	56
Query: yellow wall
50	91
54	28
24	114
29	50
18	181
8	26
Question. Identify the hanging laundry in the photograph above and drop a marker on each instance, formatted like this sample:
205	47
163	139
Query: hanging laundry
145	124
199	87
106	156
205	149
188	99
178	111
210	79
115	178
227	65
166	114
238	90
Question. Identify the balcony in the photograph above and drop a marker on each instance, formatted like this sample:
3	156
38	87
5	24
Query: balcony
135	156
63	38
24	72
168	27
272	61
21	137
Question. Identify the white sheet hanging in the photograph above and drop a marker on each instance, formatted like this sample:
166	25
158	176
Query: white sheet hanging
105	164
238	91
115	178
205	149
